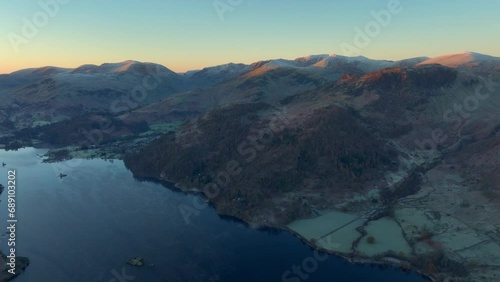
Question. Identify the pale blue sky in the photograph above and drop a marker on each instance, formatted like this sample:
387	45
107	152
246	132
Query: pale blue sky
189	34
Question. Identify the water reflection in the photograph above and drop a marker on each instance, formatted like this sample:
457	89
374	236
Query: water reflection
87	225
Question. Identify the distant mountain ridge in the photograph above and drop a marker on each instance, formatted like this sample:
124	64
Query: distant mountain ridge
320	60
461	59
106	87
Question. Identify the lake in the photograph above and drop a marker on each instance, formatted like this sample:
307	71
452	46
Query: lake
86	226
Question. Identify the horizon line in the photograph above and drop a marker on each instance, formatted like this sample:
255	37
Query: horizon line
190	70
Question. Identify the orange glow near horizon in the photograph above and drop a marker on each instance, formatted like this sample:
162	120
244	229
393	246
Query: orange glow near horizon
175	64
184	36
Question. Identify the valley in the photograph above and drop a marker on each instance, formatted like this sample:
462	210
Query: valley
380	161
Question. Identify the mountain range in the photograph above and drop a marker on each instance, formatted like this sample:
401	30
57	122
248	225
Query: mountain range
280	140
66	93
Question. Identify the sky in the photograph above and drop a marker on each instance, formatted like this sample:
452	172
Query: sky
191	34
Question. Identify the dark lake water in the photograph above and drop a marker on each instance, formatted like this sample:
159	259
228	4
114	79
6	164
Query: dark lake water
86	226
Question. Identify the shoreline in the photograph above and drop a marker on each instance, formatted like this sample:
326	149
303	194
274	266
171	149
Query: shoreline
357	259
353	259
